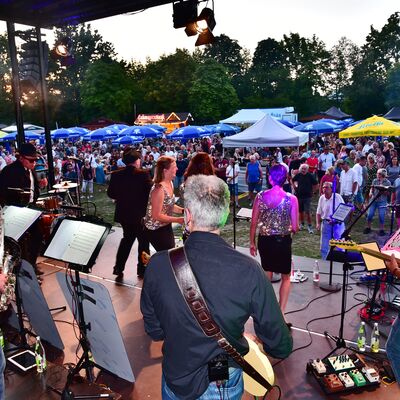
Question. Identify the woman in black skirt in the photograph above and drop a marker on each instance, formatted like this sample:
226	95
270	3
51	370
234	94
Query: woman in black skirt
275	213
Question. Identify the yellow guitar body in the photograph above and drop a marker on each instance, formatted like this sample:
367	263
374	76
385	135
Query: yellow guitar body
260	362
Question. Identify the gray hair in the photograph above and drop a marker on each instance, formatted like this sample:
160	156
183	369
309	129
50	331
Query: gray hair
207	198
382	171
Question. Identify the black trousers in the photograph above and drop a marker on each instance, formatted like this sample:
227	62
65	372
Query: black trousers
131	232
161	238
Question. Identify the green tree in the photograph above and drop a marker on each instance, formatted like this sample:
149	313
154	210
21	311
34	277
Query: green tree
165	83
345	55
234	58
106	91
269	73
392	92
212	96
6	105
65	81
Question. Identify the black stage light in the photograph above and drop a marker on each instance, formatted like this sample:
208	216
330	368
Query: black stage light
184	13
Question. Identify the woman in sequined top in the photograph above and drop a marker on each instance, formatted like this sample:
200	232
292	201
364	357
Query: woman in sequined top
276	217
161	206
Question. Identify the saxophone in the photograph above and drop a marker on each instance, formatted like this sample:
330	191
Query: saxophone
10	255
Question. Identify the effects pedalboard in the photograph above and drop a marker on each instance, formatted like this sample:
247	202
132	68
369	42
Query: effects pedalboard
343	373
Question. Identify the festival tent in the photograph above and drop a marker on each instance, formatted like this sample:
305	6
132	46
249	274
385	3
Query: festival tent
393	114
244	116
268	132
373	126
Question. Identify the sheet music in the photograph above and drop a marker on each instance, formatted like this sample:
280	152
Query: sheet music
17	220
245	213
75	241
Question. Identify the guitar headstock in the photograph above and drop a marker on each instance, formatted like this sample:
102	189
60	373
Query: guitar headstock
345	244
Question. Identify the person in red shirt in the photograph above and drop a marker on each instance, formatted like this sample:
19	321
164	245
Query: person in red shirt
312	163
220	165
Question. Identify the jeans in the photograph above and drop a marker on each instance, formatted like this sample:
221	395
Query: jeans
88	185
393	348
326	231
232	389
177	181
2	367
381	206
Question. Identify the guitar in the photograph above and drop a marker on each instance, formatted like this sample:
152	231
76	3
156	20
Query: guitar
353	246
260	362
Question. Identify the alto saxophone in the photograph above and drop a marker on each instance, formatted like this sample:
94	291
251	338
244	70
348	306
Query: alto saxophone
10	255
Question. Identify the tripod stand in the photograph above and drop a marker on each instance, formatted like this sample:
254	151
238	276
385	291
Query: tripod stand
85	361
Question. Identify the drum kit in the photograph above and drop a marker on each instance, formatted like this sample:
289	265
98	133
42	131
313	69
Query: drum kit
58	204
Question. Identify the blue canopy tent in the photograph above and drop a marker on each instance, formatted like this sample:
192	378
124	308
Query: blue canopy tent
289	124
101	134
225	129
144	131
63	133
318	128
80	130
13	136
155	126
128	140
189	132
116	127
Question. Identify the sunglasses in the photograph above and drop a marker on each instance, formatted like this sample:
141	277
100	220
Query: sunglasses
31	160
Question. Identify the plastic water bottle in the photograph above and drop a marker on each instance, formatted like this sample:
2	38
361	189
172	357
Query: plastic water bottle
40	356
361	339
375	339
316	272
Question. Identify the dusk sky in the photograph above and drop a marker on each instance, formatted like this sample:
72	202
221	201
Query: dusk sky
150	33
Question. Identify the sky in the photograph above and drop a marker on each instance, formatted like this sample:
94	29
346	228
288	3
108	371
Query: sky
151	33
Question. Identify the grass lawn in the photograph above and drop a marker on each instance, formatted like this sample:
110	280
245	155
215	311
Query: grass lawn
304	244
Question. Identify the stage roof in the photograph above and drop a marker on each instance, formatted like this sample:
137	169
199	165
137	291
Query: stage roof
46	14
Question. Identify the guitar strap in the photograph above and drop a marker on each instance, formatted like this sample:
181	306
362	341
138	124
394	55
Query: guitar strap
194	299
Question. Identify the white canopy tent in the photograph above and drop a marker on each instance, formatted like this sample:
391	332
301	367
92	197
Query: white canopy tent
267	132
244	116
248	116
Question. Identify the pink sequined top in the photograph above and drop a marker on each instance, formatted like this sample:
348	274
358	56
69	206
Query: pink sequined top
274	221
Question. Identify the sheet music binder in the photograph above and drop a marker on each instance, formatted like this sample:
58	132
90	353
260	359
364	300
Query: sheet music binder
77	242
17	220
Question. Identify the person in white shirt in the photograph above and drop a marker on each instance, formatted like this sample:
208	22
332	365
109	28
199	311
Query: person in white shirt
358	169
325	160
324	223
367	147
232	179
169	152
155	153
348	182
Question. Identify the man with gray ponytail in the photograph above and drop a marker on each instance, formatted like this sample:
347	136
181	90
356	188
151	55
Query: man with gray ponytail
235	289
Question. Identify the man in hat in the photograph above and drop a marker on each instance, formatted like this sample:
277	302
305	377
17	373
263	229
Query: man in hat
18	183
130	188
19	186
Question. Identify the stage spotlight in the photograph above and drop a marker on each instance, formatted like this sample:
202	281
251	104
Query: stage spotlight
205	21
205	38
63	47
185	12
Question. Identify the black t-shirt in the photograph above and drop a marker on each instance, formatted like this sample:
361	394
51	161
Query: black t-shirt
305	185
295	164
181	165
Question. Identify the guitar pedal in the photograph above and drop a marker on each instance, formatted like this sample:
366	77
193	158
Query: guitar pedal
319	366
333	383
345	378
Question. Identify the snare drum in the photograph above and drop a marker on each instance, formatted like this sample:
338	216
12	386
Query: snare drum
47	223
51	203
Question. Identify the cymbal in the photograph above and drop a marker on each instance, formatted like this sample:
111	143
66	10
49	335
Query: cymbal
65	185
55	191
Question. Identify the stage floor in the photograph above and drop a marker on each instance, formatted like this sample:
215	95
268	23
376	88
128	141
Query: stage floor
145	356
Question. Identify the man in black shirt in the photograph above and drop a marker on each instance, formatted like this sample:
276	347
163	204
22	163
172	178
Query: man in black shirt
235	288
130	188
304	185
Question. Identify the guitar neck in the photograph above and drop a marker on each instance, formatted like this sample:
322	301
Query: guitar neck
376	253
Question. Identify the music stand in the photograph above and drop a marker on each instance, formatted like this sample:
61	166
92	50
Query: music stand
78	243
